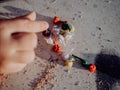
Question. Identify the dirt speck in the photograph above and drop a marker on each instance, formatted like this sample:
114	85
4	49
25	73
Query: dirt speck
65	88
25	71
95	5
86	49
73	18
102	46
77	83
51	1
79	16
107	40
98	28
85	3
47	7
92	34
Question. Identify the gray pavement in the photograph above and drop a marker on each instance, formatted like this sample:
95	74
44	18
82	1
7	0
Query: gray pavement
96	38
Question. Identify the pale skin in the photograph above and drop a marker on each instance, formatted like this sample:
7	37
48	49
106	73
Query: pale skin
18	40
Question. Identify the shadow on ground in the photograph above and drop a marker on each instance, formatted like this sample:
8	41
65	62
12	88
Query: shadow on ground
2	1
108	70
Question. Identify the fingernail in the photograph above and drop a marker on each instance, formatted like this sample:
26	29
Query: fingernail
45	25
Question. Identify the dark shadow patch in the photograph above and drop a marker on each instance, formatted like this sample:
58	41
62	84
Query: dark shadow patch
108	70
14	11
105	82
108	64
19	12
2	1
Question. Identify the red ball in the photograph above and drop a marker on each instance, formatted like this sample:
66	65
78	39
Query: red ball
56	19
56	48
92	67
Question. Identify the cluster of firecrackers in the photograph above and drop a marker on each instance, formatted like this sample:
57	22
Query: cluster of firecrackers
60	31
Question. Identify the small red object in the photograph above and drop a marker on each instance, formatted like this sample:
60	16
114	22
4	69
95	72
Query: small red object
56	19
56	48
92	67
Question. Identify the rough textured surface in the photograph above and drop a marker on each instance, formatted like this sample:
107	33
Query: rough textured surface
97	39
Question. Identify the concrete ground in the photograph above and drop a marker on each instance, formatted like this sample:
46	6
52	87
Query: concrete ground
96	38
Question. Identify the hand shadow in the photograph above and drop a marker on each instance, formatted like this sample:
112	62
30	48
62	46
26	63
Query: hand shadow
108	66
2	1
107	69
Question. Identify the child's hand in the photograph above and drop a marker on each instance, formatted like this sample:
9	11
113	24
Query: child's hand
18	41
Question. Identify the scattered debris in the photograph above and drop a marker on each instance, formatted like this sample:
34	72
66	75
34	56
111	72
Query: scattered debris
46	76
